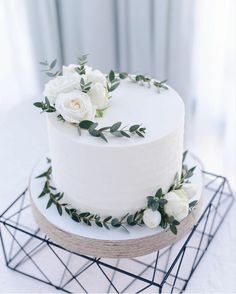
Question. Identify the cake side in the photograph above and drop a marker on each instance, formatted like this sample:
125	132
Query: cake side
115	178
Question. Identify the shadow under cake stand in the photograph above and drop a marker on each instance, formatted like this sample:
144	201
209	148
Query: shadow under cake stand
113	243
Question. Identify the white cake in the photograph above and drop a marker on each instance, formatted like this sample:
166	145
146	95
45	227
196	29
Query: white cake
114	178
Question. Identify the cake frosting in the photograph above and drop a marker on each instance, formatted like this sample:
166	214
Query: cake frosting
114	178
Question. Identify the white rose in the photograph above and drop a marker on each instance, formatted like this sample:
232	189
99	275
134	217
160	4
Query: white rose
151	218
61	84
70	69
95	76
177	205
99	96
190	190
75	106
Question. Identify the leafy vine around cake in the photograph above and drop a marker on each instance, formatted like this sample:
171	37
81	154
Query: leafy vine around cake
80	94
158	211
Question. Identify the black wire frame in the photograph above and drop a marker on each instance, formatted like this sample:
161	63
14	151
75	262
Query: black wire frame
166	271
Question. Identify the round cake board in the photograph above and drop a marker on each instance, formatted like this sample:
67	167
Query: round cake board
100	242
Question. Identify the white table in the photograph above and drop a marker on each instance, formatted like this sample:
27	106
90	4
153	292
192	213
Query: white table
23	140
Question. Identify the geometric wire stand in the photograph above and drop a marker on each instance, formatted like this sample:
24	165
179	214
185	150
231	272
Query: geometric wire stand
168	270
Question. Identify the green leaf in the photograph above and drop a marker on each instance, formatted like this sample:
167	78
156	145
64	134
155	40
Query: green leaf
87	222
99	113
175	222
134	128
47	102
53	63
82	82
155	206
59	209
45	174
98	223
113	87
138	78
76	218
162	202
115	127
68	211
173	229
84	214
85	124
139	134
103	136
93	126
107	219
38	104
150	200
117	134
123	75
193	204
51	109
43	63
184	155
189	173
111	76
124	134
50	202
94	133
61	118
115	223
104	129
131	221
106	226
159	193
50	74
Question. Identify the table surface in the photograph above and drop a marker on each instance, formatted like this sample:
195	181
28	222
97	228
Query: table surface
23	140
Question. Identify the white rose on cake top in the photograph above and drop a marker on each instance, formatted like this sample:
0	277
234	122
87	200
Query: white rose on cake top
99	96
75	106
61	84
95	76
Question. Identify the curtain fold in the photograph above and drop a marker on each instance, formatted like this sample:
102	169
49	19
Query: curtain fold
151	37
190	43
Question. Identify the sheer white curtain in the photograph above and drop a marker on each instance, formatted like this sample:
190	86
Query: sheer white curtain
191	43
146	36
212	126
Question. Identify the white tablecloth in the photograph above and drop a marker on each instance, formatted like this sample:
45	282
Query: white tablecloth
23	140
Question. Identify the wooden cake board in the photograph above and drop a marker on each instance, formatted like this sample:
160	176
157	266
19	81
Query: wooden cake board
100	242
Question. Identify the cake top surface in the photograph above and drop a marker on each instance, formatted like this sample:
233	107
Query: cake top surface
160	113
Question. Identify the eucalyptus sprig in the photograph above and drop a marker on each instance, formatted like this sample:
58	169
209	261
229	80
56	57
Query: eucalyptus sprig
112	81
50	68
45	106
82	60
144	80
85	87
116	130
154	202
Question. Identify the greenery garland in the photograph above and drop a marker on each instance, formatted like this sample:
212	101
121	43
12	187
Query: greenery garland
154	202
113	81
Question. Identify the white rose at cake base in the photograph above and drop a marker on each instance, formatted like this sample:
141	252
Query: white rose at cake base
177	204
61	84
152	219
75	106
